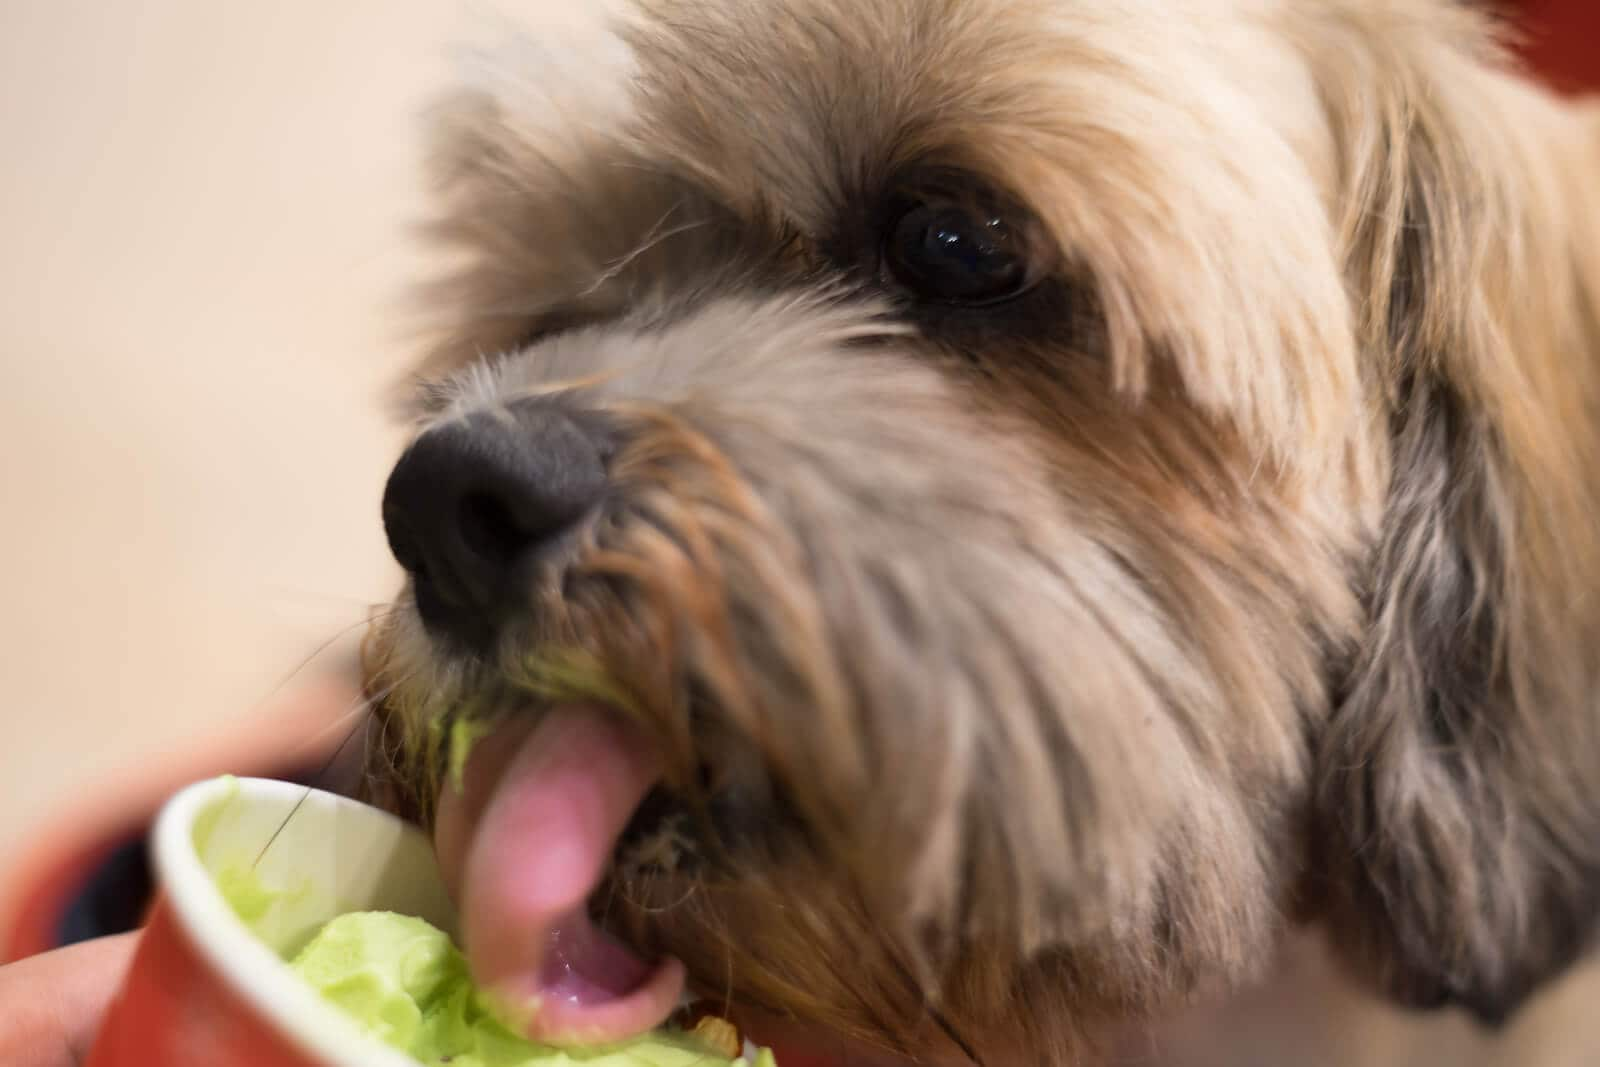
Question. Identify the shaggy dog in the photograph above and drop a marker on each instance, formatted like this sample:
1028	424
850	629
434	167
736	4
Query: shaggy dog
974	520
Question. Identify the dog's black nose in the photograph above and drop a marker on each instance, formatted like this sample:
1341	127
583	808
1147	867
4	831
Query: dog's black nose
472	503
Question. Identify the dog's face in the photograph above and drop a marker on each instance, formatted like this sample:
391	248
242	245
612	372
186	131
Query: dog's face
1048	494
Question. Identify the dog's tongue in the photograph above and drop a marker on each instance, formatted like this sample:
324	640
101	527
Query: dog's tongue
529	842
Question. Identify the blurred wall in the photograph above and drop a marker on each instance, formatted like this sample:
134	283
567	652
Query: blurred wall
202	240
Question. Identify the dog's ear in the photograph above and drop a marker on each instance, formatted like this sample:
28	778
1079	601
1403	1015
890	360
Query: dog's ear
1458	783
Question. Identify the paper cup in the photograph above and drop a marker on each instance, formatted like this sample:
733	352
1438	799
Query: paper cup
209	990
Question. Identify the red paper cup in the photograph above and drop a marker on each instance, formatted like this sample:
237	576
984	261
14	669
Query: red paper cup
209	990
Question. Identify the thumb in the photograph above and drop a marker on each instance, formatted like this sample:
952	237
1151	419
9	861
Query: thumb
51	1004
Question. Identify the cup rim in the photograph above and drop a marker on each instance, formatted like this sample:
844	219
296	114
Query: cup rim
255	973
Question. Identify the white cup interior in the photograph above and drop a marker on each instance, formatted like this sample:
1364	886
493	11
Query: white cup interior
320	856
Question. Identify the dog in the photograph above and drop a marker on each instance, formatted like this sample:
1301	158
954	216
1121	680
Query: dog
1004	514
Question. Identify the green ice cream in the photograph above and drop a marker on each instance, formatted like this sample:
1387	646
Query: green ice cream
407	984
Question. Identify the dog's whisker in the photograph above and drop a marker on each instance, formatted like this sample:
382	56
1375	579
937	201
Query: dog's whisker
652	239
727	984
361	706
375	612
307	594
327	765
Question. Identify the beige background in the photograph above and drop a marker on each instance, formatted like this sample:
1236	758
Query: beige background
203	211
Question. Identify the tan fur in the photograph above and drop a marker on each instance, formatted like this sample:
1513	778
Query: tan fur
1064	659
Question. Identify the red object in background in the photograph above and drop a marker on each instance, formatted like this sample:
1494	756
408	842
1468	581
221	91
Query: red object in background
37	886
1561	41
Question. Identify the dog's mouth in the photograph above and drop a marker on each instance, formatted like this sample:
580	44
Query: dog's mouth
528	841
770	689
525	847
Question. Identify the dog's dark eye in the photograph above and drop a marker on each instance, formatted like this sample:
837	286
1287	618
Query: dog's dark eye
956	253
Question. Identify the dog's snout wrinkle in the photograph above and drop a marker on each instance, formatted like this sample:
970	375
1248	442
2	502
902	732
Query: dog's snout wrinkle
474	501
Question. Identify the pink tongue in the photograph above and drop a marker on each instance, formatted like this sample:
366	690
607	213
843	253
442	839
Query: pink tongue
537	853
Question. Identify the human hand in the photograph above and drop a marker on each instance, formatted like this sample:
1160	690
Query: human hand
51	1004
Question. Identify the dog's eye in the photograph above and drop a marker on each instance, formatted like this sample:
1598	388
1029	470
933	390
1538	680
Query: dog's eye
956	253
